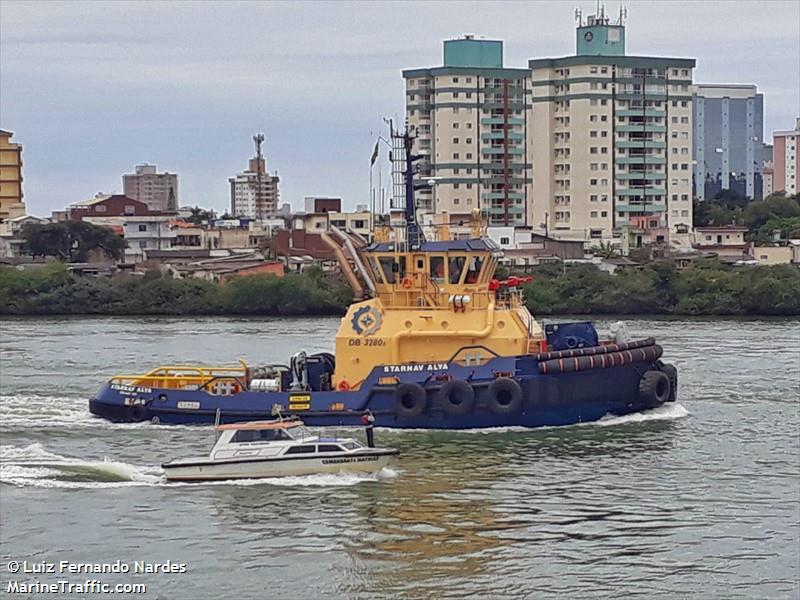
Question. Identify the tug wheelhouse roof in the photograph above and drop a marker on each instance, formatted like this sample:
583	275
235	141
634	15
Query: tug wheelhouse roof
473	245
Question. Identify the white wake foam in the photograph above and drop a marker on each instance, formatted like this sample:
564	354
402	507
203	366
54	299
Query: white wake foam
664	412
35	466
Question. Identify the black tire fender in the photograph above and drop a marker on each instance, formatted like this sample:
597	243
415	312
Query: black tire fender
672	373
504	396
410	400
456	397
655	388
137	413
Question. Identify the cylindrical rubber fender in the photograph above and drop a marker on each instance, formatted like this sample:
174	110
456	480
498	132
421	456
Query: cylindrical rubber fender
504	396
137	413
456	397
672	373
594	350
654	389
410	399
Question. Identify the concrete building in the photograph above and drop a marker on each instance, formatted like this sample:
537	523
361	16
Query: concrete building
610	139
159	191
768	178
786	159
728	123
471	118
147	232
322	204
11	202
254	193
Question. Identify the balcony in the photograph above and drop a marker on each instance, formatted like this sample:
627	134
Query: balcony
500	121
644	159
645	208
500	150
642	191
500	210
641	144
638	112
501	196
640	175
644	127
499	135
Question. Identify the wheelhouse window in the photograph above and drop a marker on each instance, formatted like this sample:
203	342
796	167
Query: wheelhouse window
259	435
474	269
455	266
437	269
393	270
329	448
301	450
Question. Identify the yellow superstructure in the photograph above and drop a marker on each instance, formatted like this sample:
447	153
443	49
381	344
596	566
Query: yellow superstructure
436	303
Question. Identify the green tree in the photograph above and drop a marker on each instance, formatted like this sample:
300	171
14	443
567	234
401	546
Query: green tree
72	240
201	215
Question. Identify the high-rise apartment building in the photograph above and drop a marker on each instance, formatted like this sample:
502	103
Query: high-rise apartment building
786	159
11	203
471	118
728	123
254	193
610	140
158	190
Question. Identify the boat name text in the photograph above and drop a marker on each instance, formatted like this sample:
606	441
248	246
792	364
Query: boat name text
415	368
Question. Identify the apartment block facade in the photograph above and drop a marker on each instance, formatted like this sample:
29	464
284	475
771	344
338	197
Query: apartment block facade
728	122
786	160
11	202
254	192
158	190
610	141
471	119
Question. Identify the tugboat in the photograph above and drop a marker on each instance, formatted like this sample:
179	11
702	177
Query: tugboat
432	340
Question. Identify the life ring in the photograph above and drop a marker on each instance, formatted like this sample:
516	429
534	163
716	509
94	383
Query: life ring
407	283
654	389
672	373
410	399
343	386
137	413
504	396
456	397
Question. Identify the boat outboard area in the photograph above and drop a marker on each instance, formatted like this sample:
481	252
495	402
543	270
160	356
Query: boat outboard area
432	340
278	448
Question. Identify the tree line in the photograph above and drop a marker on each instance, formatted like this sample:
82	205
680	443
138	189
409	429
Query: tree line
707	287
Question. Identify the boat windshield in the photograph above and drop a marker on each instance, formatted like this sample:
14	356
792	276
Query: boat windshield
352	445
300	432
259	435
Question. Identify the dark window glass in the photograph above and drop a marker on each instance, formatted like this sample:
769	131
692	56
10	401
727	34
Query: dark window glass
300	450
328	448
437	269
455	267
474	269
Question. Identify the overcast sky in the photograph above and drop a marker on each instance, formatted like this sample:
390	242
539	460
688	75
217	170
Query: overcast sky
93	88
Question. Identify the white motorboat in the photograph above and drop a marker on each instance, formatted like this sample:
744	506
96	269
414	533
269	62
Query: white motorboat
277	449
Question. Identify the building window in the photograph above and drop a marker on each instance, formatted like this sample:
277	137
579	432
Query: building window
455	140
504	240
100	208
142	227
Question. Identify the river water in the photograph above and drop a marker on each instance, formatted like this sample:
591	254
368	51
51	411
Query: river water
700	499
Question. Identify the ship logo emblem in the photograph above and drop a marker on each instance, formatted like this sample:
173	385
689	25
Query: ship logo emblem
367	320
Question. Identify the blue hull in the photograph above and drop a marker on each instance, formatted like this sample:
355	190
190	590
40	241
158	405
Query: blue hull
552	399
